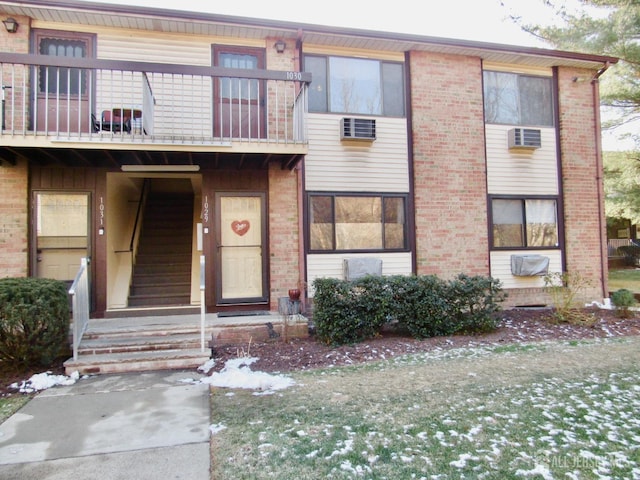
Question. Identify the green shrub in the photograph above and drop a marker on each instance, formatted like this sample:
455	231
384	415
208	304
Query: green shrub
34	321
427	308
348	312
622	299
475	301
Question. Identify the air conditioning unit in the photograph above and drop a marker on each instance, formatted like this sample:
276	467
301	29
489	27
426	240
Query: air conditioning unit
357	129
529	138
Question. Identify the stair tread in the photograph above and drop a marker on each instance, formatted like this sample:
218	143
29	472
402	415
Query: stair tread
152	354
141	340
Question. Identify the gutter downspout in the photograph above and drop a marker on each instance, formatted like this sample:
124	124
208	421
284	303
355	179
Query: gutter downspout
604	267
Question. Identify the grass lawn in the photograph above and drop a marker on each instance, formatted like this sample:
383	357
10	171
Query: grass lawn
10	405
549	410
628	278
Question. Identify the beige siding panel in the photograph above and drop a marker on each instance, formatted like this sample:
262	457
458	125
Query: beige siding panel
516	172
526	69
357	166
353	52
501	268
188	98
330	265
154	48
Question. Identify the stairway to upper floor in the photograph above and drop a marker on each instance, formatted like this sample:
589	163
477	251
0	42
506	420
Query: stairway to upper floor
162	266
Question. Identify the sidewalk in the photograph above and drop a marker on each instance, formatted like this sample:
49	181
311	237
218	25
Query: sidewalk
140	426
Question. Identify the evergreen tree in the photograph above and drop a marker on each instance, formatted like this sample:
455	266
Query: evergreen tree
602	27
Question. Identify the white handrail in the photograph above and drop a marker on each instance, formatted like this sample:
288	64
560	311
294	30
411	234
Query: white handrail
79	292
202	302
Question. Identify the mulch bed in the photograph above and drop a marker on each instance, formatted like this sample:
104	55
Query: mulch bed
516	326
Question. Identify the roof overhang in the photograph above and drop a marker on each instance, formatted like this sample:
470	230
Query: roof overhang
195	23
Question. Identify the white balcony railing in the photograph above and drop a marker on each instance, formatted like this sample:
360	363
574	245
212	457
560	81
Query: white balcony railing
92	100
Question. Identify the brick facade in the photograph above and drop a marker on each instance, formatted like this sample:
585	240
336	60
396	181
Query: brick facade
284	233
14	252
449	165
584	222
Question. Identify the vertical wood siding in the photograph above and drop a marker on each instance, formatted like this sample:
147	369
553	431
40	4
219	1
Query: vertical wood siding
357	166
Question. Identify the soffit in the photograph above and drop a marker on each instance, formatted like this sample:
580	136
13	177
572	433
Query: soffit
191	23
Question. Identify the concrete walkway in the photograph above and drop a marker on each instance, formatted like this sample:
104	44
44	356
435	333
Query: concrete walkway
139	426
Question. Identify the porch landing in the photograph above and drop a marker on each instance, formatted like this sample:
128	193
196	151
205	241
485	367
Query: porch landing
146	343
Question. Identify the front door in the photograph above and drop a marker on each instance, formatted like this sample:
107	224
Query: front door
61	233
239	109
241	265
62	95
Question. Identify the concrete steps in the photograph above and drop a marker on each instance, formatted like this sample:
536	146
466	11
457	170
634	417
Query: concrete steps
135	344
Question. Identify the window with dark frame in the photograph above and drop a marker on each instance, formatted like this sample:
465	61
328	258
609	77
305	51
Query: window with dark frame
524	223
355	86
342	222
517	99
63	80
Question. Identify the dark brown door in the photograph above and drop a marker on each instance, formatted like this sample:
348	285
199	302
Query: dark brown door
239	103
63	93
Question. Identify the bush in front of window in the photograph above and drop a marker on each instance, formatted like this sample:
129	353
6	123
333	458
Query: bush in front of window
426	306
474	301
349	312
34	322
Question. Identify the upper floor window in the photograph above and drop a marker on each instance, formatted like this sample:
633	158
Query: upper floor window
516	99
63	80
357	222
524	222
356	86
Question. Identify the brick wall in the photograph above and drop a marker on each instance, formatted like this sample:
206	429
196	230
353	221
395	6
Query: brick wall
283	232
280	94
14	250
585	227
449	164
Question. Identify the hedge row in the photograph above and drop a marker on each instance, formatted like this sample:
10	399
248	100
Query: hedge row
34	321
351	311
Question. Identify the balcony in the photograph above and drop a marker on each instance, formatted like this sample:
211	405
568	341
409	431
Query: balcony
63	102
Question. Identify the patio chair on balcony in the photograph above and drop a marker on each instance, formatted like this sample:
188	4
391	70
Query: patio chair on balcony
114	121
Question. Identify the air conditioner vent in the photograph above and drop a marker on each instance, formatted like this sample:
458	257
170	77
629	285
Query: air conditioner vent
357	129
525	138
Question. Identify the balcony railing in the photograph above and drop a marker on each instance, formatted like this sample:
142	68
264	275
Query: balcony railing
75	99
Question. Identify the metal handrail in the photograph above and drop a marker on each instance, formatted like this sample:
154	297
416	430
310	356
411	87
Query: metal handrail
202	301
96	101
141	202
79	292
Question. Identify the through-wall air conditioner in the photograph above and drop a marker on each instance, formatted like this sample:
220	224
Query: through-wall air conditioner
357	129
529	138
